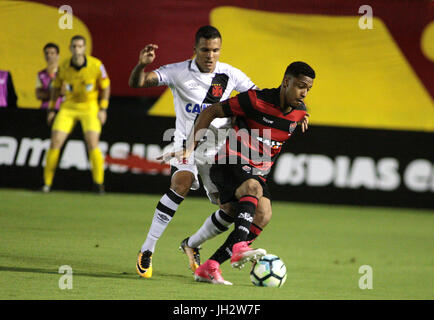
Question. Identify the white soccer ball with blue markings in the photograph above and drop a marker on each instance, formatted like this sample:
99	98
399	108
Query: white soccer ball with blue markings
269	271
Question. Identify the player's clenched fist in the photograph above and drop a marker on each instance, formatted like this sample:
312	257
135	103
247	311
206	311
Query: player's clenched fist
147	54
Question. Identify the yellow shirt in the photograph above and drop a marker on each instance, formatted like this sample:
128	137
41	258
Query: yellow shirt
82	84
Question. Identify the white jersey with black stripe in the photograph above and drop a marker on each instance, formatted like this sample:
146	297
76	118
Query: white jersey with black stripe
194	91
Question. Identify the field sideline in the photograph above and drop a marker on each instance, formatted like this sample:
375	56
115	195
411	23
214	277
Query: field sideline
99	236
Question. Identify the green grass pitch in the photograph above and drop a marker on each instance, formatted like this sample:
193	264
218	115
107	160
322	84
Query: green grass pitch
322	246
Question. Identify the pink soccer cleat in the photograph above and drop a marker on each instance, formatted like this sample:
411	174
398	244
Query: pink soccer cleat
241	253
210	272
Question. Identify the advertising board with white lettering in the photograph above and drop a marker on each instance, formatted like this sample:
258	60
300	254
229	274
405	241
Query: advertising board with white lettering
325	165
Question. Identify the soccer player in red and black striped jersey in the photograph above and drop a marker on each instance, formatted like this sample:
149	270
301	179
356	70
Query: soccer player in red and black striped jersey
265	119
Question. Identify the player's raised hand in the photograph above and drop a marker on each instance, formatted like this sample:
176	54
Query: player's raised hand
147	54
305	122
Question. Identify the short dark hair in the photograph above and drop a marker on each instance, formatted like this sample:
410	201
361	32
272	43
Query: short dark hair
207	32
51	45
299	67
78	37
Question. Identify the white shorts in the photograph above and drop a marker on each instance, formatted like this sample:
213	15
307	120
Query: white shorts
205	158
176	166
201	161
210	188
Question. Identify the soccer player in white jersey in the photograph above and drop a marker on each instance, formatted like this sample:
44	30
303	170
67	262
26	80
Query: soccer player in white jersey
195	84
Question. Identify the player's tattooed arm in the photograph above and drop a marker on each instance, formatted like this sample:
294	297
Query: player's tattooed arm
139	78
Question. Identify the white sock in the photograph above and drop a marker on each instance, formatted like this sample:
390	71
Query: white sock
164	212
215	224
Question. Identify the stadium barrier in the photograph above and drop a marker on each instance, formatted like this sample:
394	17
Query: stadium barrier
334	165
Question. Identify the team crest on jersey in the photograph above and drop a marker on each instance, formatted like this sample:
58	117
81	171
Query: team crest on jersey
292	127
217	90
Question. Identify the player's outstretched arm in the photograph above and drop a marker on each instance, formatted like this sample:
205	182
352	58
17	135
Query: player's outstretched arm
140	79
197	133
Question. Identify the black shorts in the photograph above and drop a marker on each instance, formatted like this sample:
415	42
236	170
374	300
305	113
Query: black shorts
228	177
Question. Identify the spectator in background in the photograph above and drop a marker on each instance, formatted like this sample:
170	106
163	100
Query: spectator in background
46	76
8	97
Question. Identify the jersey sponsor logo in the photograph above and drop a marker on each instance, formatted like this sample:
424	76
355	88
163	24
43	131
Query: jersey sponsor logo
267	120
196	108
272	143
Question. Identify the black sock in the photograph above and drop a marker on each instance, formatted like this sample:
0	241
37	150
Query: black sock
255	231
245	210
225	251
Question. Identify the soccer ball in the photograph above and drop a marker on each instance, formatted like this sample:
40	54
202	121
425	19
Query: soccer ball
269	271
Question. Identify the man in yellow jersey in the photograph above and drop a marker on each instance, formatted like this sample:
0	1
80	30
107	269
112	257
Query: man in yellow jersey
87	92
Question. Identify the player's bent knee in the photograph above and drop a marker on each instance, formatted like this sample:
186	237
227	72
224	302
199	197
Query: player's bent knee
181	189
249	187
262	215
182	182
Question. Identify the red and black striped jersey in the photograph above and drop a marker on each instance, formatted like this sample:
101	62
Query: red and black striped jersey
260	129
